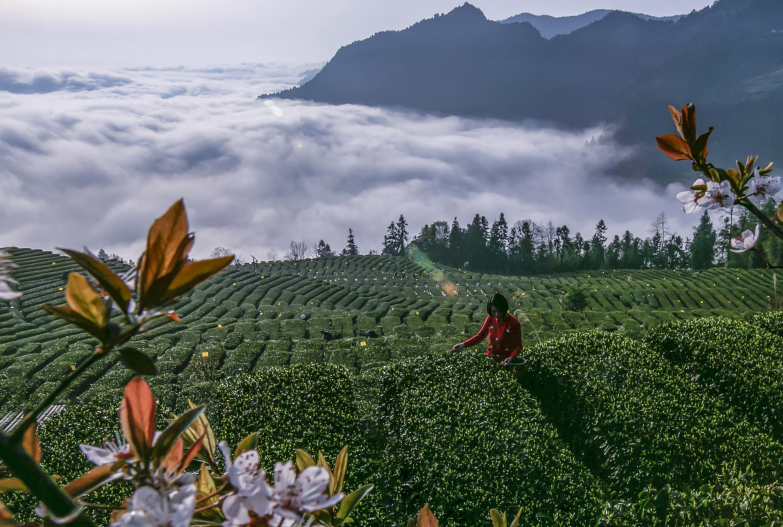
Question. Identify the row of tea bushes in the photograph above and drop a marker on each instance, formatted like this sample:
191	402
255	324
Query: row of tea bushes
739	362
636	419
406	432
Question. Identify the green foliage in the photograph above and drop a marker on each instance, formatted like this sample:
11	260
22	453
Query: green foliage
736	361
454	432
637	420
575	299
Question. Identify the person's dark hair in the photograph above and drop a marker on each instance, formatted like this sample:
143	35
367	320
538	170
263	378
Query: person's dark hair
499	301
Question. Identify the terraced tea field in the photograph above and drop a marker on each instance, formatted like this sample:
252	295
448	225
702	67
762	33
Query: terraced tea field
360	312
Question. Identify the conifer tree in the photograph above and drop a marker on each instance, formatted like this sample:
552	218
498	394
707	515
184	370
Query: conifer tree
402	236
703	245
351	249
390	240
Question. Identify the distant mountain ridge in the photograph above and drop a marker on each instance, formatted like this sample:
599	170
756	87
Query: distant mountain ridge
550	26
621	69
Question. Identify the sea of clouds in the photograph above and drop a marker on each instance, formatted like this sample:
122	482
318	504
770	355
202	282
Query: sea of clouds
90	158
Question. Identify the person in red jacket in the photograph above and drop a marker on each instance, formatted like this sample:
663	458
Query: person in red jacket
502	329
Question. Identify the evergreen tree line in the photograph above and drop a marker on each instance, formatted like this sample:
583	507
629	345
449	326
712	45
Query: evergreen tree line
528	247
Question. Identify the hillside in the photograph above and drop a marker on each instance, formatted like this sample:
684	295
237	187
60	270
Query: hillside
551	26
620	69
356	311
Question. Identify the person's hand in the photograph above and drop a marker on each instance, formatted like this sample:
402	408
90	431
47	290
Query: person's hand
506	362
458	347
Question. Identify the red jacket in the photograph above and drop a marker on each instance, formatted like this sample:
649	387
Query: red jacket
505	337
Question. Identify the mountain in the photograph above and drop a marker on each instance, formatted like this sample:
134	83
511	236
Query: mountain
550	26
621	69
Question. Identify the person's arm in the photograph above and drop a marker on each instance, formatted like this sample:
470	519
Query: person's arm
480	336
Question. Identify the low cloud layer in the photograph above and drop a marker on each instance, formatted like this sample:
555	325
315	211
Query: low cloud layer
91	158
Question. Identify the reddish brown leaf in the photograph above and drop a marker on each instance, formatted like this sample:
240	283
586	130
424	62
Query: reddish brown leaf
85	300
6	517
113	284
677	118
91	480
426	518
674	147
137	416
193	452
167	238
700	149
30	443
689	123
174	457
193	274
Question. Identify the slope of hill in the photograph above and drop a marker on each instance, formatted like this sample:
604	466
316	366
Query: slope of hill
357	311
550	26
621	69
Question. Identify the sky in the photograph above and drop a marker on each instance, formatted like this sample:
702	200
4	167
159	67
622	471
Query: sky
196	33
112	111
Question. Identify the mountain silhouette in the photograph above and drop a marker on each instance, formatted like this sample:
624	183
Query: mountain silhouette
621	69
550	26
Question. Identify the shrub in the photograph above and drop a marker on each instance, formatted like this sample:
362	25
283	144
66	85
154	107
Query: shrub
453	431
636	419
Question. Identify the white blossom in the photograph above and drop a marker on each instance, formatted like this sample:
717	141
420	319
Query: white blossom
761	188
171	506
306	492
717	195
111	453
745	241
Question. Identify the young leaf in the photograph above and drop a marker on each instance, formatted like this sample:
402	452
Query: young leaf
304	460
85	300
166	239
12	485
192	453
109	281
677	118
689	123
498	520
515	523
173	458
137	417
30	443
674	147
6	518
350	502
247	444
172	432
426	518
93	479
700	149
137	361
200	427
340	467
66	313
192	274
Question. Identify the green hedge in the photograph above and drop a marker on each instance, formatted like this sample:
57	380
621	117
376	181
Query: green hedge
458	433
637	420
738	362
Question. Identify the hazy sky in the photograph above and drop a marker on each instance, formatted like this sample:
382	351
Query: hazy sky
110	33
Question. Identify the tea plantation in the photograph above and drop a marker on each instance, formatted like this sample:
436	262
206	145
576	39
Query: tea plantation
658	404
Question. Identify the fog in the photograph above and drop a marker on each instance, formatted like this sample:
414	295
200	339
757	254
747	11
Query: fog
92	157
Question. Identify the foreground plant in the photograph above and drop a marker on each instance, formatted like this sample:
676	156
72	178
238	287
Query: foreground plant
748	185
164	273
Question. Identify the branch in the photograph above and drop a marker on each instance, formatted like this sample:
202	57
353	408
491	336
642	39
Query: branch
29	419
39	483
